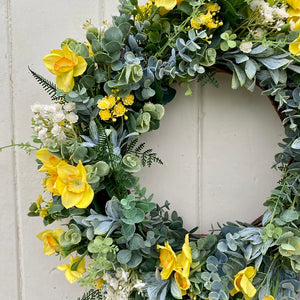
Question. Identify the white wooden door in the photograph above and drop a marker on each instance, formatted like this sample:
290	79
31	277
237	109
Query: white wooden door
217	146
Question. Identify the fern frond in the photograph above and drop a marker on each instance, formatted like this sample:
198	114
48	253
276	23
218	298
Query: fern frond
148	157
92	295
140	147
47	85
132	144
208	77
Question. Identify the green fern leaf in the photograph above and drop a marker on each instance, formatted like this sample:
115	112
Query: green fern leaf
92	295
47	85
208	77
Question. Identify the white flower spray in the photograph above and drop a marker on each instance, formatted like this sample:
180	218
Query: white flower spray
54	123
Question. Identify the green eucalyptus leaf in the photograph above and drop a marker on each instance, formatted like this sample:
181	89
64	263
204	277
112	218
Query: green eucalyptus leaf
124	256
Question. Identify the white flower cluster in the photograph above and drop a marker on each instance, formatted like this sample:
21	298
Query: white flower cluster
246	47
121	285
269	15
53	122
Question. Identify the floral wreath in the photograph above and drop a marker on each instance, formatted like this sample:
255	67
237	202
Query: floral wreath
112	88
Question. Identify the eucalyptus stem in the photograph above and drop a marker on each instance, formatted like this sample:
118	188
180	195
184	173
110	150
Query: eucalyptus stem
269	270
24	146
179	29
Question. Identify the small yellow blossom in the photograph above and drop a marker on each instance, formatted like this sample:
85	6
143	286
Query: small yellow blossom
72	185
99	283
268	298
146	11
105	115
39	201
66	65
43	212
51	240
106	102
208	19
243	283
128	100
71	275
119	110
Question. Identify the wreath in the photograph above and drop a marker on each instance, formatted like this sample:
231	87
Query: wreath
111	89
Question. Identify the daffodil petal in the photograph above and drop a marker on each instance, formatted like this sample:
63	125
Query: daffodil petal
167	4
65	81
62	267
80	67
247	287
69	199
65	170
50	60
87	198
182	281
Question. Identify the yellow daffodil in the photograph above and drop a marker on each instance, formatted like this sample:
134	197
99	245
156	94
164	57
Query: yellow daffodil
243	283
168	260
167	4
295	45
71	275
294	4
181	264
72	185
268	298
50	163
66	65
184	261
51	240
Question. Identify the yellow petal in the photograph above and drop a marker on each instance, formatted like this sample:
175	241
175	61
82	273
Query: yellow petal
62	267
247	287
168	260
65	81
167	4
50	60
233	291
69	199
72	276
58	232
65	170
69	54
87	198
250	272
182	281
80	67
59	186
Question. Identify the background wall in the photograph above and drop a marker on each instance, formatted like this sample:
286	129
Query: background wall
217	146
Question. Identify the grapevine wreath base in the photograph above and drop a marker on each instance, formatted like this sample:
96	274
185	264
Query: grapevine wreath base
113	88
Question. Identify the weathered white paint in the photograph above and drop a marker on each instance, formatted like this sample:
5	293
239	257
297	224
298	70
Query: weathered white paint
213	171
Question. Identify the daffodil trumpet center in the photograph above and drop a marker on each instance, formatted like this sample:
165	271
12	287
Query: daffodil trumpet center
64	65
75	184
